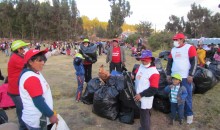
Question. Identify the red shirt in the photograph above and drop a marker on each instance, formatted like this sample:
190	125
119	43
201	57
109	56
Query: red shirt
15	66
116	55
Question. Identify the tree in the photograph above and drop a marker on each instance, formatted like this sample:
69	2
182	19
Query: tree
7	14
161	40
175	24
144	28
119	11
199	19
100	32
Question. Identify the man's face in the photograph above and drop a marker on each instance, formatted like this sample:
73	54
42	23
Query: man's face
115	43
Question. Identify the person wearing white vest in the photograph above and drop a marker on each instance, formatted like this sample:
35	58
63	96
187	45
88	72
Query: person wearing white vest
146	85
183	60
35	93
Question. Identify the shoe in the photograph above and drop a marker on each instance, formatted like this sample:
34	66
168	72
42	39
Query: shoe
181	121
172	122
78	96
189	120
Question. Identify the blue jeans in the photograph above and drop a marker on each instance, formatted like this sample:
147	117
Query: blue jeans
177	108
32	128
80	81
19	107
188	103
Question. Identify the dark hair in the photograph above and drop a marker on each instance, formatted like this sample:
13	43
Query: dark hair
15	51
39	56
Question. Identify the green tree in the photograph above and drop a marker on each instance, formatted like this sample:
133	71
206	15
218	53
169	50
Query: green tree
100	32
144	28
199	19
7	14
161	40
175	24
120	9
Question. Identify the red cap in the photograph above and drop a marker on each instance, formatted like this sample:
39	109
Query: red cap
33	52
218	50
115	40
178	36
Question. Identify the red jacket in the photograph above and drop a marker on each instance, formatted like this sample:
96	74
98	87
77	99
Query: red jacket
15	66
5	100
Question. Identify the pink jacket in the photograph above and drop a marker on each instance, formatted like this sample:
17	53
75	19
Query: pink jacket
5	100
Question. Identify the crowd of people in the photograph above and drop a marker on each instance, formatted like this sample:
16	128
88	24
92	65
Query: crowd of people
32	95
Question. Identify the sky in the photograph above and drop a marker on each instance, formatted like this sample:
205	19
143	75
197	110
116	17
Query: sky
155	11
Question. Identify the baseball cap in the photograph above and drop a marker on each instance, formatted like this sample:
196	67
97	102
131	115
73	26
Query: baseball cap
79	55
178	36
32	53
115	40
177	76
18	44
86	40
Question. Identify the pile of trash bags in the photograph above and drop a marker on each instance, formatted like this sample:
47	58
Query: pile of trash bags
114	98
204	79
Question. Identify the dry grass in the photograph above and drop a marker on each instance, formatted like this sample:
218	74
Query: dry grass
60	74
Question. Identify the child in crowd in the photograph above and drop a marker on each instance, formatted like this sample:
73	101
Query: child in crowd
78	65
177	94
216	57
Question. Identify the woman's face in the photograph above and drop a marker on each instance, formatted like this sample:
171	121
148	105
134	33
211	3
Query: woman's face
37	65
146	61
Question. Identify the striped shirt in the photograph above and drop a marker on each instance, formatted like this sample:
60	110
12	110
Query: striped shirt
174	92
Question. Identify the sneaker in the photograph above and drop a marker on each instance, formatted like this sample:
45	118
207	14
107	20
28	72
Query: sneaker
181	121
172	122
77	101
189	119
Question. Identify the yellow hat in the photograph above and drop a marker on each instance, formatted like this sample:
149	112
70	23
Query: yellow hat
18	44
79	55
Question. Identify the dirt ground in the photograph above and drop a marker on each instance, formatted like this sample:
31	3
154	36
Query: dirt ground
60	74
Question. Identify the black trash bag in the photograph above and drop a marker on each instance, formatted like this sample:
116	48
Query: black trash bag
162	94
162	105
163	79
158	64
89	52
126	115
214	66
92	86
164	54
134	69
105	102
3	117
204	80
117	81
127	94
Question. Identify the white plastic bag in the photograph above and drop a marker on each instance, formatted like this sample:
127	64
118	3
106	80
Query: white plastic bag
61	124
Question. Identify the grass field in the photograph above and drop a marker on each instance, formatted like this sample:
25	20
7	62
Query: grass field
60	74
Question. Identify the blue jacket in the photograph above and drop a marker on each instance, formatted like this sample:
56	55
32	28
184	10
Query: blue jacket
78	65
181	96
